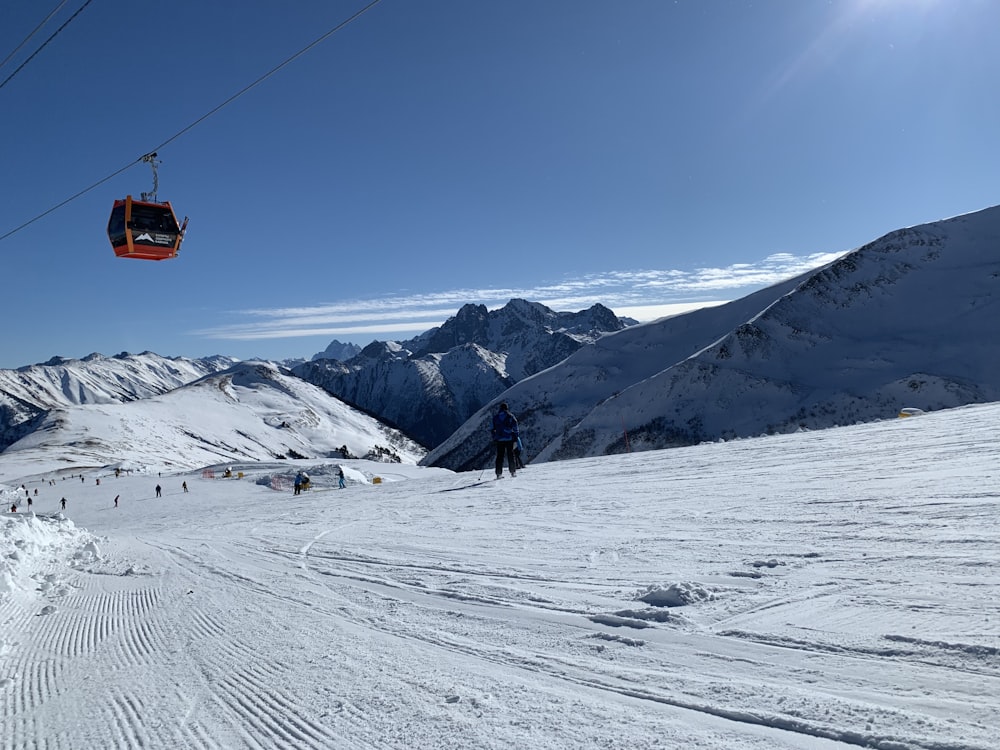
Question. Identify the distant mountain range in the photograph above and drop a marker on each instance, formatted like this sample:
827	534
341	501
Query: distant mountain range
28	393
251	411
429	385
909	320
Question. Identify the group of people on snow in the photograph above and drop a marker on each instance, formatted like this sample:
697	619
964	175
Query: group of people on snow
62	503
28	498
13	505
302	480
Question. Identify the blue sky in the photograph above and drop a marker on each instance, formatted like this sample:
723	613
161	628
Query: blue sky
437	152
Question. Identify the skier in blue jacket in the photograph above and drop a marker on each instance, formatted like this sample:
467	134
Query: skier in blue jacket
504	435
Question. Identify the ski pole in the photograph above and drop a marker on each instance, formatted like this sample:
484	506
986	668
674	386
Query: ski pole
483	472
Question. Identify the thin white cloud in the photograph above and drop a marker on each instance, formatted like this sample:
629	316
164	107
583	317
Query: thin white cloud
642	294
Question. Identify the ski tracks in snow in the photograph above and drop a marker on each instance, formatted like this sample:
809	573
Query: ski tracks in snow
798	624
87	638
110	640
504	615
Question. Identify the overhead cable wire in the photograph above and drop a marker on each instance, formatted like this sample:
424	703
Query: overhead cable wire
201	119
267	75
53	36
36	30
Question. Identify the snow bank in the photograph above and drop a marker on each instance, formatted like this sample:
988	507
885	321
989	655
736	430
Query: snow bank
674	595
36	550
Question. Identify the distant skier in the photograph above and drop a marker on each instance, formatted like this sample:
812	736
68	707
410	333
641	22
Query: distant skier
29	502
298	483
13	507
159	491
63	503
116	500
504	434
184	486
340	477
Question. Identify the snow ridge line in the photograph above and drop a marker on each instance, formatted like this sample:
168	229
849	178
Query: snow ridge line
299	728
35	685
254	708
247	694
799	644
980	653
195	735
965	648
848	737
127	618
204	625
490	573
126	717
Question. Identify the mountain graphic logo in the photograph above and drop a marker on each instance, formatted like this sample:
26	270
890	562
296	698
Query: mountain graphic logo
144	236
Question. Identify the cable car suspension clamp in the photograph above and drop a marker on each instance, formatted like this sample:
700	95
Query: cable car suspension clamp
153	162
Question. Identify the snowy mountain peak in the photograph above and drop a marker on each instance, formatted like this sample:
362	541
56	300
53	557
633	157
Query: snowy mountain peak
911	319
338	350
450	371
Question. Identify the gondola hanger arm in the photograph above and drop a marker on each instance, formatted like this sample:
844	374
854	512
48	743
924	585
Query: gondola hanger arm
151	159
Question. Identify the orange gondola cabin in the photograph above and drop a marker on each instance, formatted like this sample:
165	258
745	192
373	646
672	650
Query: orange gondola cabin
147	230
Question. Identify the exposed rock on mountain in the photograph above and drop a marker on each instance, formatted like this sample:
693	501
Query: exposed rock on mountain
338	350
429	385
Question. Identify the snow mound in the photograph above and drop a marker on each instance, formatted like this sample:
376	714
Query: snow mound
674	595
37	551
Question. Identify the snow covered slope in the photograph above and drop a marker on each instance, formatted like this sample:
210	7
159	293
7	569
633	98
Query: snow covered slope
28	392
910	320
548	403
250	412
824	590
